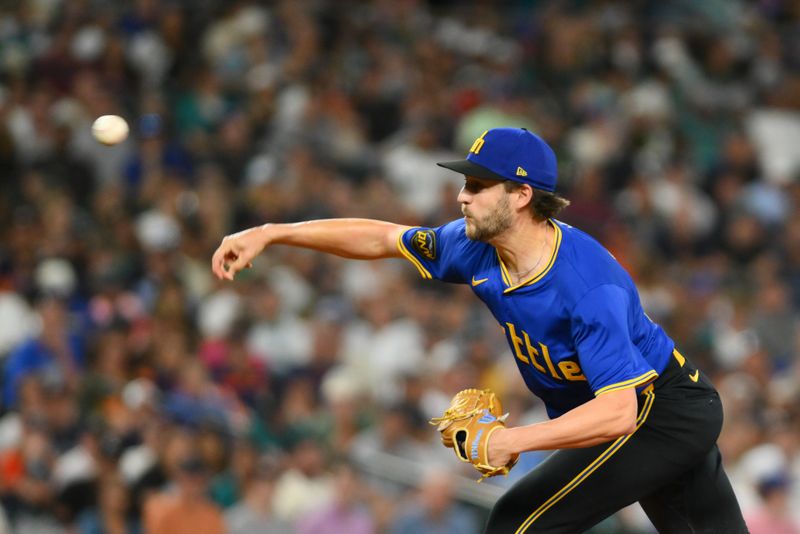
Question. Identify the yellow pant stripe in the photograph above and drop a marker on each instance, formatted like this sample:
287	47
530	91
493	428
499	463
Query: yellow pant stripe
591	468
679	357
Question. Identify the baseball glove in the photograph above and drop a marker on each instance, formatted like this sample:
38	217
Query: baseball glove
467	425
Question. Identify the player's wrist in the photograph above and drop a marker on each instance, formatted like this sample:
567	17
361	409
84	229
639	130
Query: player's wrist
266	233
503	442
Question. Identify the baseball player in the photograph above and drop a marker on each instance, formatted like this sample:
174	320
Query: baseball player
631	418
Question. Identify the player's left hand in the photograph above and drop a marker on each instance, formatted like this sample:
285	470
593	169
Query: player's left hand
468	427
498	453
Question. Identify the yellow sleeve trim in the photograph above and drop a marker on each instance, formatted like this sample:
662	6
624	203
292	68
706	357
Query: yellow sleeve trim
649	376
410	257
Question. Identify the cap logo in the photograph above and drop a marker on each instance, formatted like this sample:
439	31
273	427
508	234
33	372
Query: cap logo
511	154
478	144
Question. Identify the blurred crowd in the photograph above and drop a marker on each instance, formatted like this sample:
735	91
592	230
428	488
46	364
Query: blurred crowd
140	394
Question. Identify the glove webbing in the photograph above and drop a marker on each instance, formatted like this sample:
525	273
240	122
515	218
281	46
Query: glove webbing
455	414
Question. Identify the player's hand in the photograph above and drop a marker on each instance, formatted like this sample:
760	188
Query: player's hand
236	252
499	452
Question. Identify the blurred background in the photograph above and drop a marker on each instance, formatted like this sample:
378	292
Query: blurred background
140	394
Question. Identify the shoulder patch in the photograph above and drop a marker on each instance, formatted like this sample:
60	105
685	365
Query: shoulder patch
424	242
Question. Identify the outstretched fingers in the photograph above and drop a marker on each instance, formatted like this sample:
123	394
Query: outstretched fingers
228	260
223	262
218	262
235	265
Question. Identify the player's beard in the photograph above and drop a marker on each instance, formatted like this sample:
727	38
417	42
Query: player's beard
492	224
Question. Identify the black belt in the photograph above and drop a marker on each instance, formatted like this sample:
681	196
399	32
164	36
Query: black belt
681	372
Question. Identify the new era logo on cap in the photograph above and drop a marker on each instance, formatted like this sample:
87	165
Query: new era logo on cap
510	154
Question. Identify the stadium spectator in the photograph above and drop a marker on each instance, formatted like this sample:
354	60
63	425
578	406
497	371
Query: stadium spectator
345	512
434	510
773	517
186	509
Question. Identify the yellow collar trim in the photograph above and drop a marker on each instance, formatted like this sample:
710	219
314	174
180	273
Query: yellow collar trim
536	276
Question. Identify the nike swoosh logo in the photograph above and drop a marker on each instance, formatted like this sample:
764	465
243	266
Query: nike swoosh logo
478	282
696	375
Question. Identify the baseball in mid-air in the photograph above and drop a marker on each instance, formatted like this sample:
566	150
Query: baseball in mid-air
110	129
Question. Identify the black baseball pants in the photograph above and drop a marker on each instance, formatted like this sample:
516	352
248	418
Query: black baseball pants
670	464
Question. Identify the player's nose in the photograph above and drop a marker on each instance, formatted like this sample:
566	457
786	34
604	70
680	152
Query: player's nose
463	196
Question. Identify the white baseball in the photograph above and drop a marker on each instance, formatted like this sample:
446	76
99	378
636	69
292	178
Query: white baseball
110	129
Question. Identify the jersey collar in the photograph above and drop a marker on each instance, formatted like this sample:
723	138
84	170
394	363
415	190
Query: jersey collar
509	287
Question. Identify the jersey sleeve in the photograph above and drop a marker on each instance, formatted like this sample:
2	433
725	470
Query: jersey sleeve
608	357
437	253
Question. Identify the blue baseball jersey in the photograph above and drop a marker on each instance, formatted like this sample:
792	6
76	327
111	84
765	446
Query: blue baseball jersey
576	329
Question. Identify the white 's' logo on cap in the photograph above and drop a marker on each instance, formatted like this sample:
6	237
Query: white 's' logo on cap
521	172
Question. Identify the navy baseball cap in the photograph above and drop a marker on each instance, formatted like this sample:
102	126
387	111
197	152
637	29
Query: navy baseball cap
510	154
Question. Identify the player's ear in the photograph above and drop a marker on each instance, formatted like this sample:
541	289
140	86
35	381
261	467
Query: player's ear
523	195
